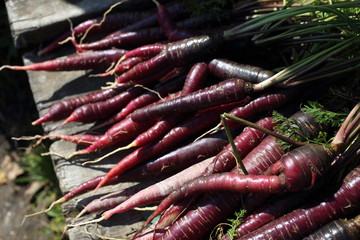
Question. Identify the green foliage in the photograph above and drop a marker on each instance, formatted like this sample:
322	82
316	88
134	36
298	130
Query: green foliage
235	223
289	128
40	169
324	116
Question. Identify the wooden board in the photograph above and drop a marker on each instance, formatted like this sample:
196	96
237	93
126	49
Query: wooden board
49	87
33	22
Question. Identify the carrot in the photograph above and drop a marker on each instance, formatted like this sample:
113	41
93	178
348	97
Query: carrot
227	91
255	162
225	69
95	111
148	97
124	40
155	192
112	21
168	25
119	133
343	201
174	54
338	229
265	102
296	171
145	51
123	66
194	80
179	133
84	61
64	108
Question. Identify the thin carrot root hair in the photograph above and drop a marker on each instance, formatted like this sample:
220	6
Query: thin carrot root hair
101	22
144	209
133	144
213	130
87	222
54	154
72	37
60	200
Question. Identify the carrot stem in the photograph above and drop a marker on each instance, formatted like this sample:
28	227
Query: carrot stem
272	133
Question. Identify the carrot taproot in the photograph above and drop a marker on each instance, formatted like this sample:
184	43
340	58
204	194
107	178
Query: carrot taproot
124	40
82	61
343	201
194	80
64	108
255	162
161	91
153	193
297	170
172	32
95	111
121	132
224	92
112	21
338	229
196	124
123	66
174	54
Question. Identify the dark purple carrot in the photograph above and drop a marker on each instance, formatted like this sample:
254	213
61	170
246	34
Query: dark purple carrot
182	131
82	61
215	208
225	69
174	54
103	24
172	32
194	81
99	110
338	229
123	66
120	133
263	103
124	40
297	170
147	98
145	51
301	222
225	92
153	193
64	108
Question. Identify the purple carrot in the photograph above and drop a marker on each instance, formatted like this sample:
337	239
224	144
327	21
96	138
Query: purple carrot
221	201
194	80
338	229
194	125
263	103
296	171
112	21
82	61
147	98
301	222
120	133
124	40
158	191
123	66
227	91
64	108
174	54
98	110
225	69
172	32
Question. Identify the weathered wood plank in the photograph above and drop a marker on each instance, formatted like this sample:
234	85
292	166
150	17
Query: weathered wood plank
49	87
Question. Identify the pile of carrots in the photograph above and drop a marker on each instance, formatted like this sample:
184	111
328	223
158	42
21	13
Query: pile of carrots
179	96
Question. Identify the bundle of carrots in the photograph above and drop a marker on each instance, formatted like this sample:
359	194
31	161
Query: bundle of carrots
180	95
